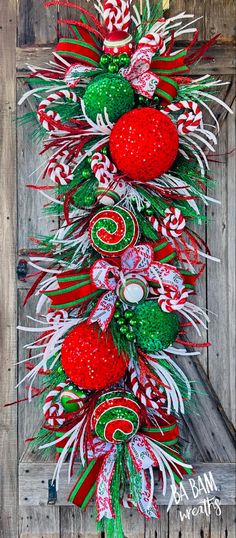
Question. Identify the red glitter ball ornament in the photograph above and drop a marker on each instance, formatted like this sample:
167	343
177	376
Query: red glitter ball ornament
144	144
90	359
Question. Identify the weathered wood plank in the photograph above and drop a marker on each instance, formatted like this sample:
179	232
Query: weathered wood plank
224	60
158	528
31	221
33	483
194	7
133	524
40	522
207	422
219	18
8	443
36	24
75	523
65	13
220	277
225	525
196	526
28	413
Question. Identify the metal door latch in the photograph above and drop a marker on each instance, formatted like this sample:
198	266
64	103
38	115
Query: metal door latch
52	492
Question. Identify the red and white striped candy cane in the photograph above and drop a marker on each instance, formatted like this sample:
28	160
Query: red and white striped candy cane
172	225
116	15
51	120
52	409
145	396
154	222
59	172
190	119
102	167
154	41
170	301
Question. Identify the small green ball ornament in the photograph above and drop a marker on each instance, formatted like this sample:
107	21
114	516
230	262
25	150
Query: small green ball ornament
124	60
113	68
123	329
130	336
105	60
86	173
155	329
129	314
120	321
89	200
116	60
72	399
110	91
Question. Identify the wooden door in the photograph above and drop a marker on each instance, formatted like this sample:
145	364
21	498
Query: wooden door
24	476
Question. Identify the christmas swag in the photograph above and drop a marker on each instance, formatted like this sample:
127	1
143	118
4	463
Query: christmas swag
127	174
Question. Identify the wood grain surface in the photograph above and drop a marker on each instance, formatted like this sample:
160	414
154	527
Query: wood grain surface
27	34
8	354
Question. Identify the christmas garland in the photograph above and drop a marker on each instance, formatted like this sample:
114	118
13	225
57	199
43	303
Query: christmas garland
127	174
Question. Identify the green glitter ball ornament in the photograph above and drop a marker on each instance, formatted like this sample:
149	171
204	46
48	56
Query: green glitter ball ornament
155	329
108	91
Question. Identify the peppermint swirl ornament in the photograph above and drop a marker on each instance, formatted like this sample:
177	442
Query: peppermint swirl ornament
116	416
113	230
155	330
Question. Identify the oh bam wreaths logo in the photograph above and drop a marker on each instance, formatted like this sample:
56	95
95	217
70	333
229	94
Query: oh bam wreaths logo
201	489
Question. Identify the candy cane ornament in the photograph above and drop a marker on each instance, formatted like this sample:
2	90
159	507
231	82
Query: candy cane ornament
110	187
173	224
146	394
170	301
102	167
51	120
190	119
59	172
116	15
153	41
52	409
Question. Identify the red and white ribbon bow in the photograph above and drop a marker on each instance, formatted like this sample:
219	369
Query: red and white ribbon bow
138	73
137	261
143	459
